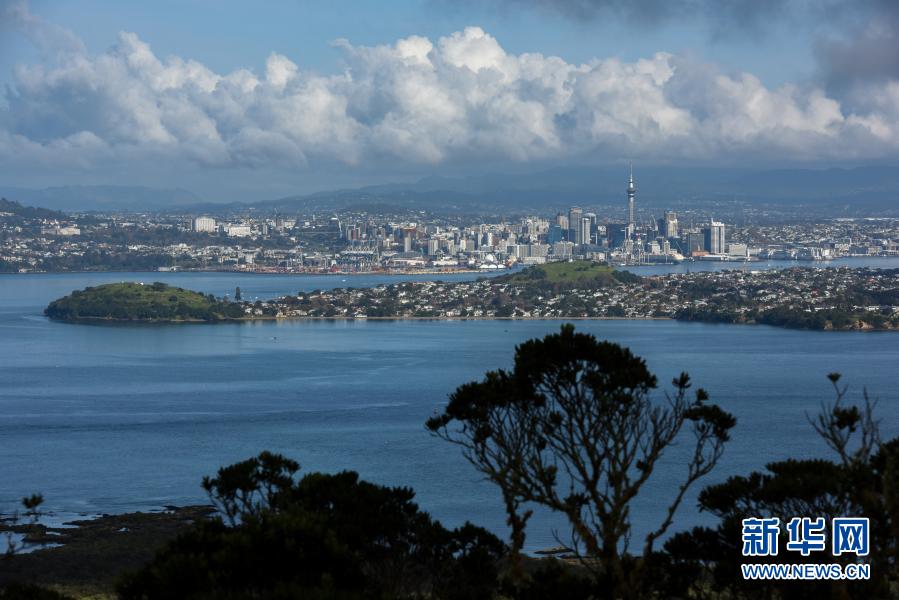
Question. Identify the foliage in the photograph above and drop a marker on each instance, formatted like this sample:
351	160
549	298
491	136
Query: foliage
22	591
573	428
139	302
32	515
105	260
7	266
582	274
322	536
29	212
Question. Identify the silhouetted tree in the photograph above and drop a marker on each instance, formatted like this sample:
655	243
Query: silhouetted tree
322	536
862	481
237	295
32	515
30	591
572	427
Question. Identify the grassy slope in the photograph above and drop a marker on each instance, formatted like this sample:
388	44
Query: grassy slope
135	301
566	274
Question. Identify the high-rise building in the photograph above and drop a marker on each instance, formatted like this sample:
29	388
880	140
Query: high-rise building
695	242
714	238
617	234
204	225
668	225
591	234
555	233
631	198
574	223
584	231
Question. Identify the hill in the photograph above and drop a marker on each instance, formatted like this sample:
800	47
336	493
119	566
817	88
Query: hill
156	302
29	212
830	192
582	274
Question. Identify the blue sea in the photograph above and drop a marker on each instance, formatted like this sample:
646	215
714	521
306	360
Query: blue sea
107	419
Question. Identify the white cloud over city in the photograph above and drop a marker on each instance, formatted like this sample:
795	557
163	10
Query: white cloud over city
460	98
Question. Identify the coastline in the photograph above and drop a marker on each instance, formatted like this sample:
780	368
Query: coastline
516	296
85	557
282	273
149	322
735	264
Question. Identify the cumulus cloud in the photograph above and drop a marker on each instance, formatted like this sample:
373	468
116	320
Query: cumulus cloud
855	41
461	98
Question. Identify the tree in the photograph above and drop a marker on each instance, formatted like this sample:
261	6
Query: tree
863	480
322	536
237	296
32	515
572	427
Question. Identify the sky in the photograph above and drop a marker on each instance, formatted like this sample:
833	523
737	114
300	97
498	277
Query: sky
255	100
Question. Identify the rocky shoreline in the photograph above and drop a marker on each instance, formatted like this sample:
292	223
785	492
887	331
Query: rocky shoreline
86	557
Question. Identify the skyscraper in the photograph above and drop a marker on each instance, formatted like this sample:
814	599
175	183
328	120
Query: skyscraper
631	197
590	234
584	233
668	225
574	224
714	238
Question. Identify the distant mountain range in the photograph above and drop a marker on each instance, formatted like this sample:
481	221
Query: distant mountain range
869	188
74	198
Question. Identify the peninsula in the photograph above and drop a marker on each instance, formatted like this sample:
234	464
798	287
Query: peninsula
801	298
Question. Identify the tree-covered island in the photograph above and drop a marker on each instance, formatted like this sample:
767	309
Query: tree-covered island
154	302
801	298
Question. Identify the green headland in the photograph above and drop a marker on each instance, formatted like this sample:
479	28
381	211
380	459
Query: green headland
153	302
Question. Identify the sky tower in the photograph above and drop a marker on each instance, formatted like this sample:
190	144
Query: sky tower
631	198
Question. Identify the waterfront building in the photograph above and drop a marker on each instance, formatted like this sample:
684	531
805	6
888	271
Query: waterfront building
695	242
714	238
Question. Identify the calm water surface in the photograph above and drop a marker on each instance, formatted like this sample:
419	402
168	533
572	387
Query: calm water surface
112	419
